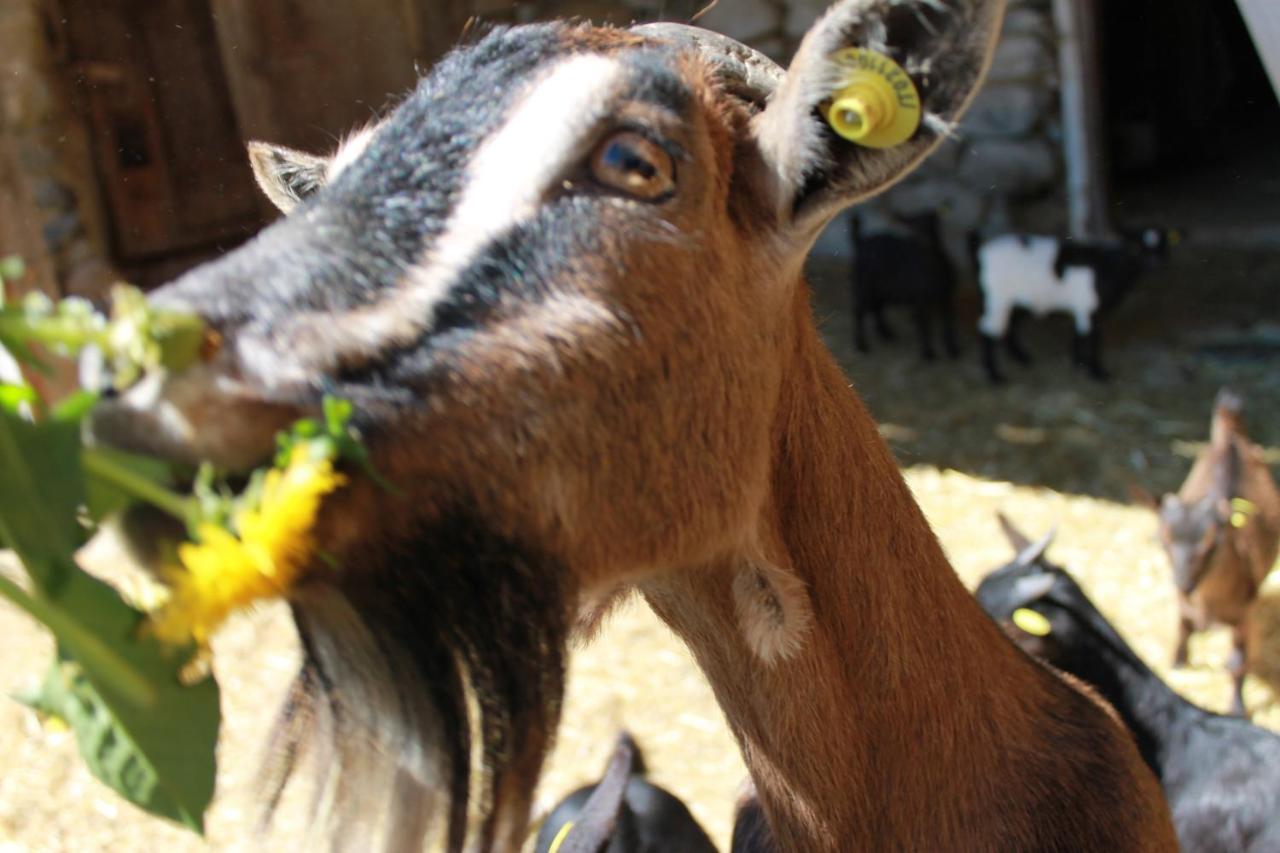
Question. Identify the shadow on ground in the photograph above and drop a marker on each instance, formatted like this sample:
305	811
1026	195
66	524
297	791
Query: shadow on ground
1209	318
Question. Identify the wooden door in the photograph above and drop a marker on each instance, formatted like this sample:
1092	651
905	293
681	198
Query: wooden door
148	78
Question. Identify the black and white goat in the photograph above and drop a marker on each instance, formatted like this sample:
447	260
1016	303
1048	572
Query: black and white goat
1220	774
903	266
622	813
1044	275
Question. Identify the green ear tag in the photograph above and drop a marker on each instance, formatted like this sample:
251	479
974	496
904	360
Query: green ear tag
1032	622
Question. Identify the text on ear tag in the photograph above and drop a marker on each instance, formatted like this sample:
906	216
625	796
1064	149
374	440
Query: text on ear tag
877	105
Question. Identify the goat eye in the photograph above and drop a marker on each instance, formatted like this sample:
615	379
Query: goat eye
639	167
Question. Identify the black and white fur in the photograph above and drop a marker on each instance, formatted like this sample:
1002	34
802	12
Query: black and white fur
904	266
1221	774
1044	275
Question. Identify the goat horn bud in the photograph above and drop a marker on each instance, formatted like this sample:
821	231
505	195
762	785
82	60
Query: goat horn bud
748	73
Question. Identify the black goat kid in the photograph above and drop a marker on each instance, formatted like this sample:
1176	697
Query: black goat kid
622	813
904	268
1221	774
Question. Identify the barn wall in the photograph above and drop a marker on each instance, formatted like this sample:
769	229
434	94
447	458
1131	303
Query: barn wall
302	73
49	205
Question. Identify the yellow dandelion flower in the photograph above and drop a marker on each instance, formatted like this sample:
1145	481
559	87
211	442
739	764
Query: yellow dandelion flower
223	572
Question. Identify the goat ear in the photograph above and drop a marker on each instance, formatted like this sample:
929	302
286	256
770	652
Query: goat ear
1224	510
1033	552
1016	537
286	176
944	47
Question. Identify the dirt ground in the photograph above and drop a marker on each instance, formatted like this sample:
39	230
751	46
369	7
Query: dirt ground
1050	448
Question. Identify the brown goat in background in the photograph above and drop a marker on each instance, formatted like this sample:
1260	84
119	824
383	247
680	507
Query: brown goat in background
1221	531
562	284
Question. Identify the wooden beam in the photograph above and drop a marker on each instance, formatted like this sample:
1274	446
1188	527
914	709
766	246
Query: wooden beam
1082	119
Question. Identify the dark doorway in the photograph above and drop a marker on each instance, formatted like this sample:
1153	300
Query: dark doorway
1193	123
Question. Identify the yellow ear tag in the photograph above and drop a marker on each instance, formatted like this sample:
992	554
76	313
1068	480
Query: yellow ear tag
877	105
1241	509
1032	622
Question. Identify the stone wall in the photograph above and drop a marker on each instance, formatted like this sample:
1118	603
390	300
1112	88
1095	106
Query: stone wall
1003	169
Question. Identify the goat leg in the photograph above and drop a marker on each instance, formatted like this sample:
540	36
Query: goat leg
1012	343
1236	666
882	325
1093	354
924	328
989	359
949	329
1185	627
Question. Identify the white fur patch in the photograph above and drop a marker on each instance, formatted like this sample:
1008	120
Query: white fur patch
790	135
773	610
515	167
1018	274
507	179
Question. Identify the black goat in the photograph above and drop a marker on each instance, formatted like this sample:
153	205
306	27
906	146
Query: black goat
908	268
622	813
1046	274
1221	775
751	833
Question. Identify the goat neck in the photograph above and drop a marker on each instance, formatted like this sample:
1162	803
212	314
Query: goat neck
896	688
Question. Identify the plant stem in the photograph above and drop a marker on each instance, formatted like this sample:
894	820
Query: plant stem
50	331
96	655
97	464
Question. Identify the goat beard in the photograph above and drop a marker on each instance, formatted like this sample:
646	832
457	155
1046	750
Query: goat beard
429	692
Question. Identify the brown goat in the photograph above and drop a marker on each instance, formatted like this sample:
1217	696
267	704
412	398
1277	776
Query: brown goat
562	284
1221	532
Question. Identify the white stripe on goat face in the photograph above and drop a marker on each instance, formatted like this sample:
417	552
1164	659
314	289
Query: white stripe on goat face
514	169
511	172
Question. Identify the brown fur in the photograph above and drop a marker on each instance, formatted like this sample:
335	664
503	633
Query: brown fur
1230	562
1262	639
666	417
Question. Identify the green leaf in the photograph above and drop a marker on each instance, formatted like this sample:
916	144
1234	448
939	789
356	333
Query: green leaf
74	407
139	730
13	396
105	496
41	489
